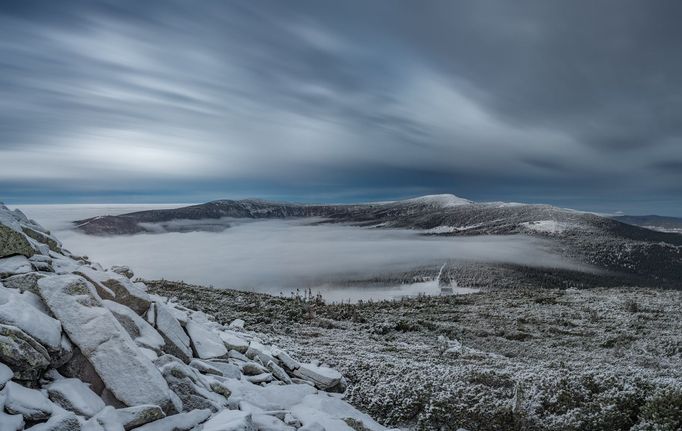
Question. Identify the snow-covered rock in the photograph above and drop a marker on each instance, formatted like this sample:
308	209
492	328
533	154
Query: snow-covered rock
179	422
138	328
17	311
22	353
206	344
234	342
6	374
125	371
11	422
65	421
12	241
122	270
30	403
230	420
14	265
176	340
75	396
322	377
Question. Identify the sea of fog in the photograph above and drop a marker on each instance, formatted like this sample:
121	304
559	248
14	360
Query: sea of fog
280	256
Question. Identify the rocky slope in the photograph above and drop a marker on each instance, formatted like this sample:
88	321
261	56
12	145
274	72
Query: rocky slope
83	348
647	257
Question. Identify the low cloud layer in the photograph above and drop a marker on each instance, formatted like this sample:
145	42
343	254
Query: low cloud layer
279	256
563	102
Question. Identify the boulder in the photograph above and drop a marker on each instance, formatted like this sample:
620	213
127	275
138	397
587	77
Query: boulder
122	270
11	422
65	421
125	371
176	340
14	265
19	312
205	367
6	374
228	370
286	360
278	372
322	377
24	282
127	293
30	403
260	351
22	353
205	342
132	417
80	368
42	238
13	242
230	420
142	332
75	396
234	342
179	422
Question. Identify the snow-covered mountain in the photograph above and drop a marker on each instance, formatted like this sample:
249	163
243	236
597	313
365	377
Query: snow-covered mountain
88	349
647	257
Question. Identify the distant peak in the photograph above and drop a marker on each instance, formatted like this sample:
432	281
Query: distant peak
443	200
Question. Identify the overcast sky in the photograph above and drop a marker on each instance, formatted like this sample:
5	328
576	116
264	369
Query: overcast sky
572	103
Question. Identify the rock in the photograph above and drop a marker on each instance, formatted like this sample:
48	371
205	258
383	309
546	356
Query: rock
237	323
230	420
125	371
14	265
322	377
175	338
75	396
205	367
256	349
286	360
43	238
80	368
138	328
205	343
179	422
278	372
16	311
127	293
228	370
260	378
267	422
253	369
234	342
59	422
130	417
30	403
64	354
11	422
6	374
13	242
122	270
22	353
24	282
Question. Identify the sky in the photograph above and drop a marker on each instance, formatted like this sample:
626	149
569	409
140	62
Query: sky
577	104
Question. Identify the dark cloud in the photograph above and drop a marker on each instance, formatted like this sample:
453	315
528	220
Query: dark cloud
571	103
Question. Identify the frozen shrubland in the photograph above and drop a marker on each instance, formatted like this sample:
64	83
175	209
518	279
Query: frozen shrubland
88	349
502	359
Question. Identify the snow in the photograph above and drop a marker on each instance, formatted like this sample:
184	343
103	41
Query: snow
230	420
330	411
11	422
30	403
547	226
15	265
16	311
234	341
179	422
76	396
206	343
125	371
169	327
323	377
146	335
443	200
6	374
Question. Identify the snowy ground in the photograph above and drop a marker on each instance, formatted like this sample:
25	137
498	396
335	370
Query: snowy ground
541	359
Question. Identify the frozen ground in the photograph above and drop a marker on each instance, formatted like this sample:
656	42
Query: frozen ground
538	359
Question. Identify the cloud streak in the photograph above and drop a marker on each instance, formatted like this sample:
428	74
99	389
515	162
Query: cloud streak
566	103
